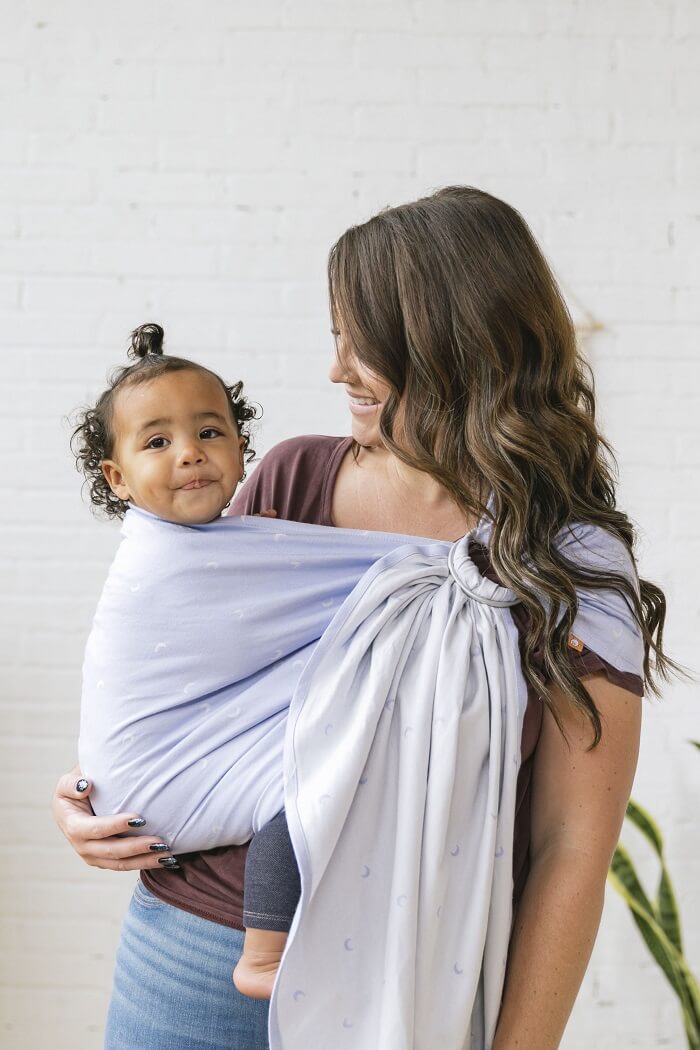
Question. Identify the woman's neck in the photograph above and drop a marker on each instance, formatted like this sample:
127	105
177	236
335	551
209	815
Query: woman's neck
378	491
403	479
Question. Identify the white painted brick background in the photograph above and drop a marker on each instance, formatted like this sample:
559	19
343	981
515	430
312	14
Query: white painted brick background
192	164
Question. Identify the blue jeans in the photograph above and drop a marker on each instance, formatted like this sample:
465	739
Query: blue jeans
172	984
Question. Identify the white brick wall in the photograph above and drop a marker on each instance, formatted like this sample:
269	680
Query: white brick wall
193	163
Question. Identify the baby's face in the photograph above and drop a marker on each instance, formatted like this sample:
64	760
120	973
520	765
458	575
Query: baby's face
177	453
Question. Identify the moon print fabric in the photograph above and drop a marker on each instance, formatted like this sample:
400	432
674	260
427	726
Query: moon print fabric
197	644
401	763
371	684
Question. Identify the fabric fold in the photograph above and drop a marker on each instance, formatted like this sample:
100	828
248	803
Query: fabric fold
197	644
370	683
401	764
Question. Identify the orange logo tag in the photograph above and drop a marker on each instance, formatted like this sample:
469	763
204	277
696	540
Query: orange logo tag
575	643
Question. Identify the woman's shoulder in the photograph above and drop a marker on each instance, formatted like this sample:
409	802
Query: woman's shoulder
589	545
291	478
605	626
605	621
307	448
596	548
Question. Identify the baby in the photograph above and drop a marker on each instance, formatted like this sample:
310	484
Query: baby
170	437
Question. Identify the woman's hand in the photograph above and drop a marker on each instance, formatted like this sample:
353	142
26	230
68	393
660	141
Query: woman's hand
102	842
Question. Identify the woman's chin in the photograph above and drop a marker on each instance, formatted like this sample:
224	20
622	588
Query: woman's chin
365	433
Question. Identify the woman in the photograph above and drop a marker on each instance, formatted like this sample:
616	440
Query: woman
468	399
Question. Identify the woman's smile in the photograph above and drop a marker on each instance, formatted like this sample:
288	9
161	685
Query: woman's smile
363	406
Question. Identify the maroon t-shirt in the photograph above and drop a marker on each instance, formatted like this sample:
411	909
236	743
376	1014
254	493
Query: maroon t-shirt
296	478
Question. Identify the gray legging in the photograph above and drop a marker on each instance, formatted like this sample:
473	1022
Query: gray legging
272	885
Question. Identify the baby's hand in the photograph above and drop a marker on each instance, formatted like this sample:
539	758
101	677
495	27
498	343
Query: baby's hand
266	514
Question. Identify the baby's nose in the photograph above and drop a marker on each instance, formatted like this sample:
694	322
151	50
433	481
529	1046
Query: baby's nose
191	454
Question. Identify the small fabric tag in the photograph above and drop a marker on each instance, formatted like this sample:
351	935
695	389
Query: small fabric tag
575	643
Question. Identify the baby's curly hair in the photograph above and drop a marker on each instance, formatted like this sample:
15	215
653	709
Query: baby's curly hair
92	440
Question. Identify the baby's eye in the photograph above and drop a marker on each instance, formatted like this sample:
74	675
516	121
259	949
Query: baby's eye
209	432
157	442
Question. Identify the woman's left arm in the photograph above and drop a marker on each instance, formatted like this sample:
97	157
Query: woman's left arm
578	805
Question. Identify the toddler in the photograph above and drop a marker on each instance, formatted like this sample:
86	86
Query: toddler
170	437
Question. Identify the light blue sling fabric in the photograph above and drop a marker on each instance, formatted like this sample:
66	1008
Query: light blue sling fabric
197	643
401	767
372	683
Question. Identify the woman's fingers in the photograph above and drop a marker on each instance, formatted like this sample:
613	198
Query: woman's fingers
127	854
74	815
78	825
69	803
103	842
128	864
73	785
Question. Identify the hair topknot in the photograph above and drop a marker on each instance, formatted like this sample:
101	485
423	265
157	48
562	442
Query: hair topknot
93	438
146	340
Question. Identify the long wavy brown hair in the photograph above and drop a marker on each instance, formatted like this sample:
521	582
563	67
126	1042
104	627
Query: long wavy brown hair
450	301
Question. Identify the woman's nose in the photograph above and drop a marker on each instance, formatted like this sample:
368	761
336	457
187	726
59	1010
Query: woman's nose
338	373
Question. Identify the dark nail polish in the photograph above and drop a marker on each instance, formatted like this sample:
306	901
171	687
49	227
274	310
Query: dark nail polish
168	862
136	822
82	785
160	847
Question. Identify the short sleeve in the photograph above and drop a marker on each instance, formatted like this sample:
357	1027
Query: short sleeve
605	625
294	479
271	485
250	497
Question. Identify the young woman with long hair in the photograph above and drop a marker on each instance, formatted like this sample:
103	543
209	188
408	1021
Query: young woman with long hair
472	411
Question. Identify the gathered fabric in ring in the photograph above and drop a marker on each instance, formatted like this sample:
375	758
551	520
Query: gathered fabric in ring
467	576
370	684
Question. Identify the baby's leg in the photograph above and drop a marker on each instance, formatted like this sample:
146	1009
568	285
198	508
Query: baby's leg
272	889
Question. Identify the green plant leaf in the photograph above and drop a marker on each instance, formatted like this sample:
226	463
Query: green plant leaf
664	952
630	886
659	921
647	825
666	909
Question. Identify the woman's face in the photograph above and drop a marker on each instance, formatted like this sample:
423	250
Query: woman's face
366	393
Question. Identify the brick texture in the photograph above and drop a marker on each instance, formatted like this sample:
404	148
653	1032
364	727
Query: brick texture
193	165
